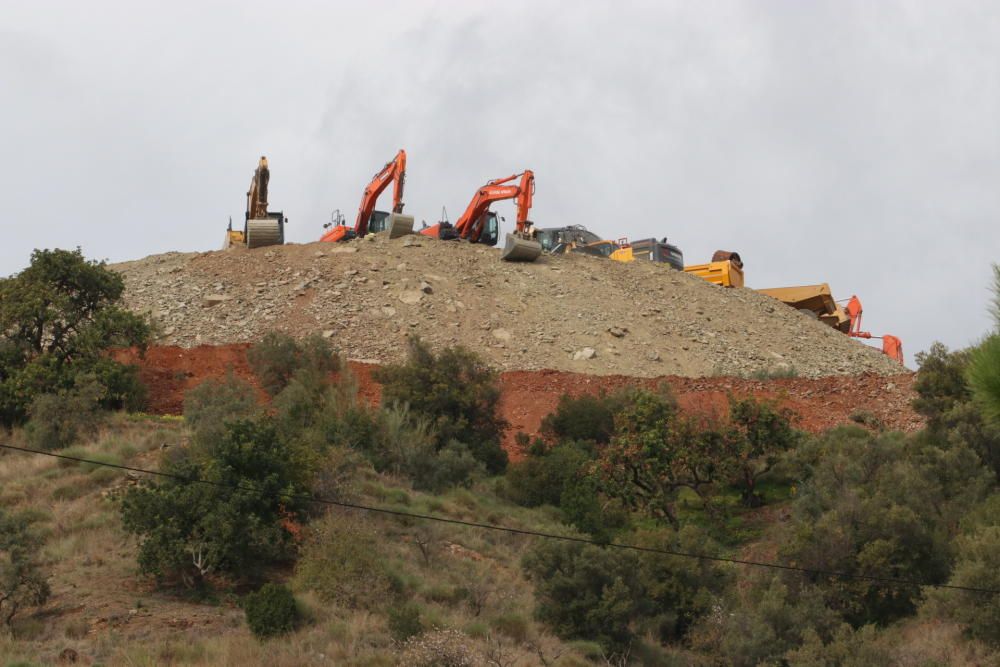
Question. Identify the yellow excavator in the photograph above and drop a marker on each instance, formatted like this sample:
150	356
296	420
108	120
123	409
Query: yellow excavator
261	227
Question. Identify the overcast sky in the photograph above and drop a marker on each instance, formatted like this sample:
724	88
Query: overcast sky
854	143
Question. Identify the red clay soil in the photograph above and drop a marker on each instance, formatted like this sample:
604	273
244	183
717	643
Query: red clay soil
527	396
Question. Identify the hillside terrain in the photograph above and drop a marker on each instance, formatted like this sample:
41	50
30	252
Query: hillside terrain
527	396
573	313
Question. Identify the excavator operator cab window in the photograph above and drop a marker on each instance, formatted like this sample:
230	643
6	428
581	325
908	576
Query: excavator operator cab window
377	223
491	230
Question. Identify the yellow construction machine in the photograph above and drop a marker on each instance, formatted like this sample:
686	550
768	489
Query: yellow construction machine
260	227
816	301
725	269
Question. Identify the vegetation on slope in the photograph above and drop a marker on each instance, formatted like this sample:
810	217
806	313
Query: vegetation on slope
226	571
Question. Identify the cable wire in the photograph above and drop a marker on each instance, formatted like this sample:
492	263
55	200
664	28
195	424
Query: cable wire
894	581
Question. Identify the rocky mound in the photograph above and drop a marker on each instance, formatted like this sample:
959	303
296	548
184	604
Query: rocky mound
573	313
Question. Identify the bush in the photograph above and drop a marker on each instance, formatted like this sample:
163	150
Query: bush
762	625
57	421
214	403
278	357
22	581
456	392
271	611
404	621
584	418
58	318
242	520
881	504
340	562
977	566
612	596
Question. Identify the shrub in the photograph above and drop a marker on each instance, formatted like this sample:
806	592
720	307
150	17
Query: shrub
762	625
404	621
22	581
881	504
239	522
278	357
57	421
340	562
583	418
58	318
214	403
612	596
457	392
270	611
977	566
541	478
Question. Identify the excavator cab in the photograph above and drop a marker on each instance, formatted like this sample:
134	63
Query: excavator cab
491	230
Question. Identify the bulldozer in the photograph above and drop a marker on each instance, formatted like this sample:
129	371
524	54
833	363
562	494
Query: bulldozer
260	227
370	221
479	225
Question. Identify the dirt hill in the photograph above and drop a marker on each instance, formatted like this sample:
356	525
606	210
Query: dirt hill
572	313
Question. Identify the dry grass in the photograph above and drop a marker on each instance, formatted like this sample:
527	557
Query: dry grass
102	609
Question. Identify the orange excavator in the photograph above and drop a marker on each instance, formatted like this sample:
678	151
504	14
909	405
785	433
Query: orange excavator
369	220
891	346
478	224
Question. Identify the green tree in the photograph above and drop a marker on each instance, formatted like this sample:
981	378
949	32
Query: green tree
759	434
884	505
58	318
984	367
457	392
656	452
945	398
22	581
237	522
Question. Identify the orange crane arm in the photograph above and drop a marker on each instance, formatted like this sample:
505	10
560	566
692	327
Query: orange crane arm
470	225
892	346
394	171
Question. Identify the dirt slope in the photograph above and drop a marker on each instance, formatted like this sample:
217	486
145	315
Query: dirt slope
527	396
574	313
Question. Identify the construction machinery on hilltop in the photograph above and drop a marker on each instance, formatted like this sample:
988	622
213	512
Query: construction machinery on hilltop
260	227
478	224
577	238
371	221
725	269
817	302
891	345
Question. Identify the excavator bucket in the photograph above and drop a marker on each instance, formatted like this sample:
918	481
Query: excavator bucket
400	225
517	249
265	232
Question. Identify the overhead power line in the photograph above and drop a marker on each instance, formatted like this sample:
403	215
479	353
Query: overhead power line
892	581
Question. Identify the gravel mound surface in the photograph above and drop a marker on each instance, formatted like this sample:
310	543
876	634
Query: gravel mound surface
574	313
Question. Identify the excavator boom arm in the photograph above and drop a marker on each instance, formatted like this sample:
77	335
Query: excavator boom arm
393	171
470	225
